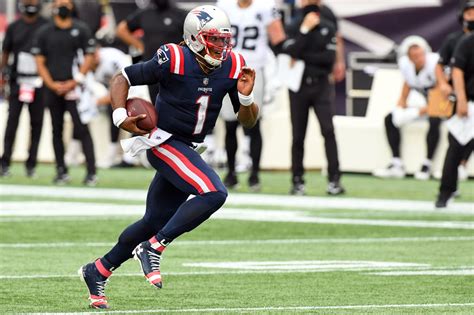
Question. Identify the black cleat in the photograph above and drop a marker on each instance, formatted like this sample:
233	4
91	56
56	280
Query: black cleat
96	283
150	259
298	189
254	183
5	172
443	199
62	177
231	181
335	188
90	180
30	172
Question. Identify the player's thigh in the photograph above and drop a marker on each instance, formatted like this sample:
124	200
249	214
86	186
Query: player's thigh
184	168
162	201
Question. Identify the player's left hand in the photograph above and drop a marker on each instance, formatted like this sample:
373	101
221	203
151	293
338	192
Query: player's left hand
246	81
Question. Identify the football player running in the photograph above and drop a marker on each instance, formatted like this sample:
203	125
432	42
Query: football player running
194	77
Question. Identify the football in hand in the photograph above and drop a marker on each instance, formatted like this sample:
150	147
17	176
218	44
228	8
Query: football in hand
137	106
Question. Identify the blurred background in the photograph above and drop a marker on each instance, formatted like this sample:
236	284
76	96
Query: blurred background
372	31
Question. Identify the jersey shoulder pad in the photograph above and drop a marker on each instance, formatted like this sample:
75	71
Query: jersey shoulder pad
236	62
171	56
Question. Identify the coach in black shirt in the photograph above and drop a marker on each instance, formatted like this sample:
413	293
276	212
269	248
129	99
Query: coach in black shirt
313	40
443	69
162	23
57	46
463	81
25	84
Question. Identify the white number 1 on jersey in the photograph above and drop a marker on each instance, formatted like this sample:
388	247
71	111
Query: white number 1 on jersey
203	102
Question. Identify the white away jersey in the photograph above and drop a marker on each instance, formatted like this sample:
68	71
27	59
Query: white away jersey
112	61
423	80
249	28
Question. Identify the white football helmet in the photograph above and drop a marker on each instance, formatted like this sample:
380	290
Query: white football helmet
206	32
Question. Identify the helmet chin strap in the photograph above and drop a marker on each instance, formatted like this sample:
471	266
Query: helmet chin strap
212	61
207	62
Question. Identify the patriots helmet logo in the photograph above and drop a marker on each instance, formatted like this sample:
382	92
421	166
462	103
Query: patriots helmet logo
203	17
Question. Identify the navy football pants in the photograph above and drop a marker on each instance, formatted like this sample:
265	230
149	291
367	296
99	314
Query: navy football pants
181	172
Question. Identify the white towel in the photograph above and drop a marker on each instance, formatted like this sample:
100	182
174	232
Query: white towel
402	116
138	144
462	128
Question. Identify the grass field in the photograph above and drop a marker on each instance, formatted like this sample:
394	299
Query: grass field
382	248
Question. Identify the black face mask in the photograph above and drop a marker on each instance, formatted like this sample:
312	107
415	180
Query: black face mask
162	4
311	8
29	9
63	12
469	25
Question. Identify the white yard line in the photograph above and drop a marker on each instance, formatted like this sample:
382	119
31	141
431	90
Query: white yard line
258	242
59	208
326	265
274	309
458	272
384	268
234	199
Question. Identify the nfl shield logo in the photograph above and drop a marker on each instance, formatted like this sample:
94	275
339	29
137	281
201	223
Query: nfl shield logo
205	81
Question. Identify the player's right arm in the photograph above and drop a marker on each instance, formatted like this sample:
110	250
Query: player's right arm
402	101
145	73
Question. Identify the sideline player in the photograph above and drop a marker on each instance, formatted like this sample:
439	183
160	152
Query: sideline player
194	77
255	24
417	65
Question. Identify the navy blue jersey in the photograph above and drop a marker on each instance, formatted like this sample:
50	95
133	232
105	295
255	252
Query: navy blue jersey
190	100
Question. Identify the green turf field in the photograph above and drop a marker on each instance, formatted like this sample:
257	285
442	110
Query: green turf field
269	253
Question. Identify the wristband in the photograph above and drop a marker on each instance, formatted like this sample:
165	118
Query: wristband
79	78
245	100
304	30
119	115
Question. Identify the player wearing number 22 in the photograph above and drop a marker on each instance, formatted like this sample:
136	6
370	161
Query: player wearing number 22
194	77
